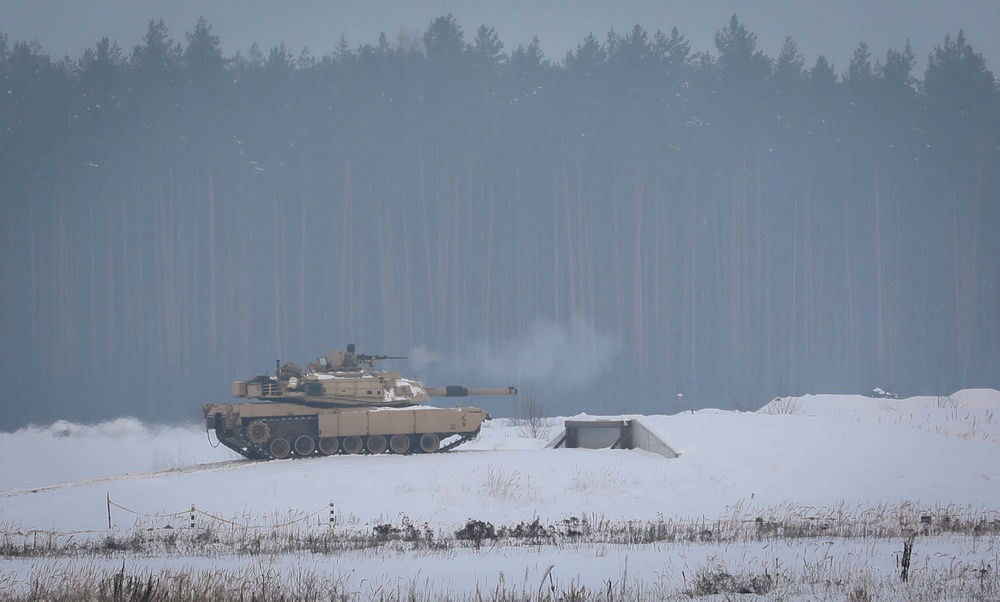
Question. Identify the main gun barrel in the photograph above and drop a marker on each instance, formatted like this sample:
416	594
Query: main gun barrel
459	391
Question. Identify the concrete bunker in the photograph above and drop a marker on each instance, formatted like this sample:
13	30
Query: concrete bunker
611	433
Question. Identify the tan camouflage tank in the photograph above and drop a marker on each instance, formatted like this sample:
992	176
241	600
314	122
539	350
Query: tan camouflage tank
342	404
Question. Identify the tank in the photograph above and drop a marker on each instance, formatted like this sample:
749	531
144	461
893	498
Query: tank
342	404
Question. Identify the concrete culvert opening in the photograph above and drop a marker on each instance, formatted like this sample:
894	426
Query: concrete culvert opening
611	433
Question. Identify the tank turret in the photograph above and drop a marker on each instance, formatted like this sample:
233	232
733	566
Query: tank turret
342	404
330	384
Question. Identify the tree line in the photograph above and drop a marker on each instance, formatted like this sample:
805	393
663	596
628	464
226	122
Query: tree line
724	224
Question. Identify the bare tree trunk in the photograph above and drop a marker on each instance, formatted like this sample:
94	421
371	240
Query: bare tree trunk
33	264
212	306
692	288
570	247
93	280
852	350
303	236
429	283
880	327
637	289
489	269
276	273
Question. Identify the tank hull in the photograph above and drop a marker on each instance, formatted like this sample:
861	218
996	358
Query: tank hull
279	430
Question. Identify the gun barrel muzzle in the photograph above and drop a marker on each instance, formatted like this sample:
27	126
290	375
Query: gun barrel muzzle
460	391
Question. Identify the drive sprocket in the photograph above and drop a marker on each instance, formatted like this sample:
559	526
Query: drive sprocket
258	432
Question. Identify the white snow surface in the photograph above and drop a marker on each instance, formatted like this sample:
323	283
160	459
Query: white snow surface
814	452
829	450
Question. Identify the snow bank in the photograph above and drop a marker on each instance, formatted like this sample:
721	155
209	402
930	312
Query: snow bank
969	414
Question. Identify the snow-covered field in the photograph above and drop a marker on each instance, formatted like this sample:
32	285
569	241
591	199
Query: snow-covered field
816	495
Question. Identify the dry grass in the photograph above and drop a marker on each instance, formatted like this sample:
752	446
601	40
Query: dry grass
723	576
945	402
505	485
599	480
743	523
957	554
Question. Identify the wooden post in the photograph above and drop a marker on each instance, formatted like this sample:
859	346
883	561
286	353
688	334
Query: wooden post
192	516
907	552
109	510
331	514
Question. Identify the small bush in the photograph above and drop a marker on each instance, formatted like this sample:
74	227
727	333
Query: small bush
476	531
782	405
526	530
574	526
385	532
716	579
532	423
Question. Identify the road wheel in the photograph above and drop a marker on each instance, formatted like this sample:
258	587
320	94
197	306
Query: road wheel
352	444
376	444
399	444
305	445
258	432
280	448
328	446
429	442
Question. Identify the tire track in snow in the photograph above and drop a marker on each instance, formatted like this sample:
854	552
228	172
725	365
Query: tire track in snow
224	465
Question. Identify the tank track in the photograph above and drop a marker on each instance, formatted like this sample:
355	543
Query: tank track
255	451
262	452
462	439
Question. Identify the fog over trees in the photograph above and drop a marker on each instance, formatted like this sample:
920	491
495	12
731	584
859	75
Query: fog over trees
604	230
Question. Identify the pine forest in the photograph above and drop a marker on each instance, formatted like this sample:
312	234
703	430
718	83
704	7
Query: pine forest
603	230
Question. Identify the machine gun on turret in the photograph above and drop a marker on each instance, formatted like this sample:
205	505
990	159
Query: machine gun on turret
364	358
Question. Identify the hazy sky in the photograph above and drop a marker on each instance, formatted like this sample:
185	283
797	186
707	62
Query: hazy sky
830	27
